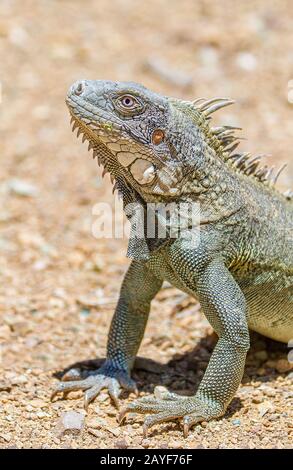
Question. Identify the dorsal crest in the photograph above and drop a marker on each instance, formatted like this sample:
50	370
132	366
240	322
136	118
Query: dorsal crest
225	140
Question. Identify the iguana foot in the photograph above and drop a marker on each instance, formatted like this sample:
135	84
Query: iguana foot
166	406
108	376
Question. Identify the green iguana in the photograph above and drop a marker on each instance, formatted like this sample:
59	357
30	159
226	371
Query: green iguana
164	150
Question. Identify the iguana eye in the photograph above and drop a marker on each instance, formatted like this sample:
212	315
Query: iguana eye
128	101
128	105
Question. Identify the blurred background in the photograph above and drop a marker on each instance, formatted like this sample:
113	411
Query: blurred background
58	285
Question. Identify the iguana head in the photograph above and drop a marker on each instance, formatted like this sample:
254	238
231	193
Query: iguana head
144	141
158	148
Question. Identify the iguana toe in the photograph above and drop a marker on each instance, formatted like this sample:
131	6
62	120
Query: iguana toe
191	409
105	378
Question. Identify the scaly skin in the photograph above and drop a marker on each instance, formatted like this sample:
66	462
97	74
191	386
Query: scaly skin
162	150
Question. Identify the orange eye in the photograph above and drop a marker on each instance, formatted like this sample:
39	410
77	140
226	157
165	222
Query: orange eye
158	136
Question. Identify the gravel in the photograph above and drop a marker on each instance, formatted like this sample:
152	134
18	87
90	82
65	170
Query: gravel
59	283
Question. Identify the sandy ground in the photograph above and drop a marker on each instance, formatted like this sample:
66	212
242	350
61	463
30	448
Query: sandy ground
58	284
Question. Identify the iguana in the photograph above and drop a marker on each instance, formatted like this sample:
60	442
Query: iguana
163	150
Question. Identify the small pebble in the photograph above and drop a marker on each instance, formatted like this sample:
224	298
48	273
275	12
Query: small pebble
5	387
246	61
121	444
265	407
236	422
261	355
283	365
70	422
22	188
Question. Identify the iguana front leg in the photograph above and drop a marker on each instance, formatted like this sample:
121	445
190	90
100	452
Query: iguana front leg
225	308
126	332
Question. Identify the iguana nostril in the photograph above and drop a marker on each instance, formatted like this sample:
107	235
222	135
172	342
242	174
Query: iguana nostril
79	89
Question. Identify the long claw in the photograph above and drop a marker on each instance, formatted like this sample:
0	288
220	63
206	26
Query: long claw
121	416
114	392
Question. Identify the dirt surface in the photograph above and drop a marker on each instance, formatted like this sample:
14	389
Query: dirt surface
58	283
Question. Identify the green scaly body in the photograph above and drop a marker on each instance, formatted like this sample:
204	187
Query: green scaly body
162	150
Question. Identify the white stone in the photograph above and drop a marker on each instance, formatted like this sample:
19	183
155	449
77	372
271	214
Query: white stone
246	61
